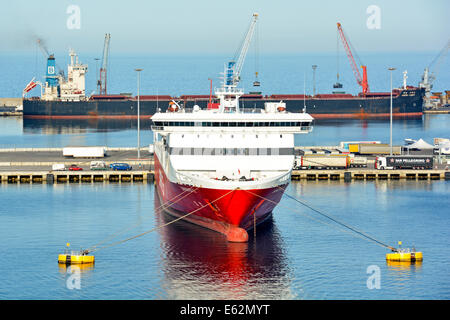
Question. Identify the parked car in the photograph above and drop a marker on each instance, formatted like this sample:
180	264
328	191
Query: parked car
120	166
98	165
74	167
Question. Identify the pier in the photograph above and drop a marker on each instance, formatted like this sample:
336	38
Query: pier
34	165
370	174
51	177
148	176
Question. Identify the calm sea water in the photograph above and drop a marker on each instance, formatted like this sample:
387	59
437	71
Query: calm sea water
19	133
294	256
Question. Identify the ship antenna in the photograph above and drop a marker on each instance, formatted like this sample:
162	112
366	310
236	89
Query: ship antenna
304	92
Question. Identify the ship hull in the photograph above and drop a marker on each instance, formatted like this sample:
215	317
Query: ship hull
408	103
230	212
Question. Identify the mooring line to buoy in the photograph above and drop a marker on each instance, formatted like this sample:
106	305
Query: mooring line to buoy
173	201
359	233
163	225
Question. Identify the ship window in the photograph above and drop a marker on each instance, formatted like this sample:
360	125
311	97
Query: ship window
286	151
166	123
249	124
216	124
232	124
197	124
224	124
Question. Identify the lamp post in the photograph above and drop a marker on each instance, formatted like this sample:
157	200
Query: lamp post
314	67
210	93
390	142
138	113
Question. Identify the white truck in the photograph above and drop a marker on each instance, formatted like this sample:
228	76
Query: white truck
357	162
404	162
98	165
320	161
58	167
84	152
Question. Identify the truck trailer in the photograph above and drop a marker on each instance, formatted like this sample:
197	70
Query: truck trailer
322	161
84	152
404	162
378	148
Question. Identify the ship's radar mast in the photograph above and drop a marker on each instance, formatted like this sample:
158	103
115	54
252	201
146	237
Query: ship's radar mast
229	94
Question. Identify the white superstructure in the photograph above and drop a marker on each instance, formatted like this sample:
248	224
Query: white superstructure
72	88
226	147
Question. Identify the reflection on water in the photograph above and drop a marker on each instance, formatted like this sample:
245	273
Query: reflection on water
199	264
122	132
68	126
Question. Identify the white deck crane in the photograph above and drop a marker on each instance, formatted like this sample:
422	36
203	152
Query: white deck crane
428	79
101	83
234	67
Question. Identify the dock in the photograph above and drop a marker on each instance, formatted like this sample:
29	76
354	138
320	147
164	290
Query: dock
371	174
148	176
34	165
51	177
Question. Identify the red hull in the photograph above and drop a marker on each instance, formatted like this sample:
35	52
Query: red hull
235	212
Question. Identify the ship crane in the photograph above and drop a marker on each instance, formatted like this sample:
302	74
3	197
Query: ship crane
427	78
101	83
362	81
234	67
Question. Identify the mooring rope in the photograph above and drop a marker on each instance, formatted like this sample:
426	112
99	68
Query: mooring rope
138	224
163	225
359	233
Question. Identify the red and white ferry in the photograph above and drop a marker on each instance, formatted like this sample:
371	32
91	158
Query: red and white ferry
226	165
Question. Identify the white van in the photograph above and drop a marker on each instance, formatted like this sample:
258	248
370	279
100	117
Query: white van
98	165
58	167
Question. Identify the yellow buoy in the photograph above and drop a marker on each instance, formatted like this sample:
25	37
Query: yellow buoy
405	256
75	259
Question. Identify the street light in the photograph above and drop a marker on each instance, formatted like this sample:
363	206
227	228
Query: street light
314	67
138	113
390	143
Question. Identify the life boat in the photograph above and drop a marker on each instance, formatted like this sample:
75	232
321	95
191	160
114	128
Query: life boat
172	107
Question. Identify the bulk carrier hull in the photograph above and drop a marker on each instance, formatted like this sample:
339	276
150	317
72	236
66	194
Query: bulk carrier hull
406	103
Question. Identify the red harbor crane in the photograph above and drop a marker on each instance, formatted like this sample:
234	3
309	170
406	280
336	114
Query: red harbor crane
362	81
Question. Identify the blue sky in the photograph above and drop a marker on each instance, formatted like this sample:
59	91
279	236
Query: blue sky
208	26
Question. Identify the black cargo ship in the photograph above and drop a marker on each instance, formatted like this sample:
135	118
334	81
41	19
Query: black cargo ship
406	103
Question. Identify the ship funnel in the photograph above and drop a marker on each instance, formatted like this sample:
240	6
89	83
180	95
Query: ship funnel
51	78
